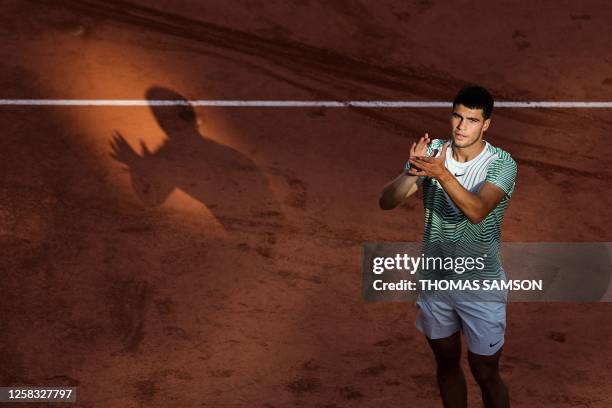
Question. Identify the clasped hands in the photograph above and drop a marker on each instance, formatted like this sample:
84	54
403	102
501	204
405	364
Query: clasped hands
427	166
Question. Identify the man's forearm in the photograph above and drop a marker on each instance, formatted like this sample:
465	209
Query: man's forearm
469	203
397	190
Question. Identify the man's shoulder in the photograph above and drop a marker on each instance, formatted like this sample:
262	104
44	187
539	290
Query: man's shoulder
502	169
501	154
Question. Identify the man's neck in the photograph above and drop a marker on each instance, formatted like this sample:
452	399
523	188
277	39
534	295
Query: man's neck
463	154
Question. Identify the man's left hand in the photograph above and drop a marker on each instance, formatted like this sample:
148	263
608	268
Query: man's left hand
429	166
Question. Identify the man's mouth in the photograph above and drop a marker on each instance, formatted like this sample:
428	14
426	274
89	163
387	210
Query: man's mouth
460	136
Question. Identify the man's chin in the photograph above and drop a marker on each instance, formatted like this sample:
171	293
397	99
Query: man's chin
462	142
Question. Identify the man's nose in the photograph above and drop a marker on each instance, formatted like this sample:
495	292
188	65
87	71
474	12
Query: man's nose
461	125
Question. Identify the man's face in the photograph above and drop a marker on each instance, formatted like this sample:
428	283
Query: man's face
468	125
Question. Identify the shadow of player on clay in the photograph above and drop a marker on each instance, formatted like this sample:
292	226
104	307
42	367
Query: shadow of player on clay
225	180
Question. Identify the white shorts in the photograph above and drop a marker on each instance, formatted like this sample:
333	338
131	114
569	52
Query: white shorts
483	323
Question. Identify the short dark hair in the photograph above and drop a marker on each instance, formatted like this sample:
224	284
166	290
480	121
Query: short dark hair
475	97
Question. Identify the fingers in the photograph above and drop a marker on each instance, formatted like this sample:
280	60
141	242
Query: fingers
145	150
121	150
421	163
424	140
415	172
419	148
444	149
428	166
114	145
422	146
118	136
117	140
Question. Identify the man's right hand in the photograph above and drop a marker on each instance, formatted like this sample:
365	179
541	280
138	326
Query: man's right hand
420	149
405	184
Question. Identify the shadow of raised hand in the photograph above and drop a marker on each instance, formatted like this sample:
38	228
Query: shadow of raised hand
151	185
123	152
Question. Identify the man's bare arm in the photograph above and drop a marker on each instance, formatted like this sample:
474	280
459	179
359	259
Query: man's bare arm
398	190
475	206
404	185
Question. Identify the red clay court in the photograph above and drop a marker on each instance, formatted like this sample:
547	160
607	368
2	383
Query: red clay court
214	260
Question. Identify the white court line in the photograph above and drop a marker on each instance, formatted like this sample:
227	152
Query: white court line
293	104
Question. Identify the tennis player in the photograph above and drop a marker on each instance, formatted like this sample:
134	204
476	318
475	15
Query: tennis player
467	184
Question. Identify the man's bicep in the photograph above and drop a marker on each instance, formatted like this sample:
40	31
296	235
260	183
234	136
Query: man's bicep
491	195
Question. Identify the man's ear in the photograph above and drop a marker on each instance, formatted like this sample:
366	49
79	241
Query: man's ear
487	122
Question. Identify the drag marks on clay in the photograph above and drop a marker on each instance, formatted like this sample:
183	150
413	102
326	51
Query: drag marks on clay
425	386
243	224
304	385
523	362
62	380
129	301
559	337
176	332
12	369
264	251
164	306
423	5
158	382
82	331
319	229
298	189
547	149
313	377
547	168
373	371
300	59
308	384
137	226
583	17
392	382
269	214
180	261
396	339
310	365
276	32
520	40
403	127
298	196
291	278
350	393
146	390
221	373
